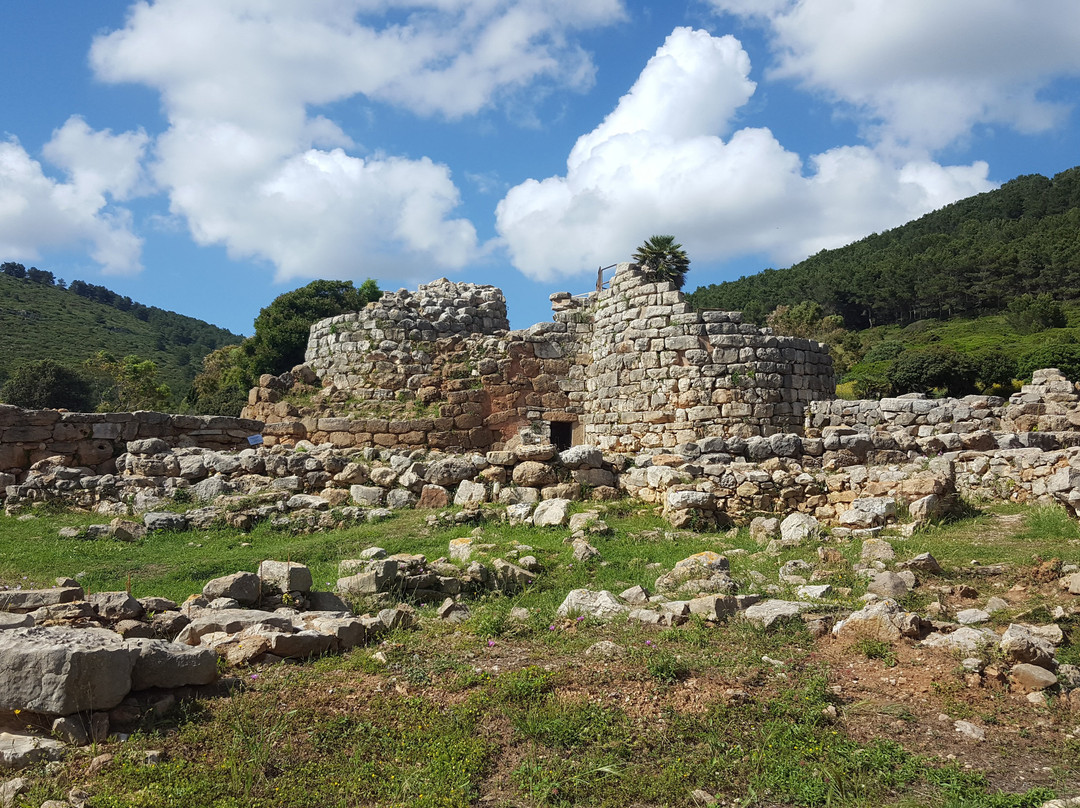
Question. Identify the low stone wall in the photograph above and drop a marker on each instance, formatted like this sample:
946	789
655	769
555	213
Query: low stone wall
93	440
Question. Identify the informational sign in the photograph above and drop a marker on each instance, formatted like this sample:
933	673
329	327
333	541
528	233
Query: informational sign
255	440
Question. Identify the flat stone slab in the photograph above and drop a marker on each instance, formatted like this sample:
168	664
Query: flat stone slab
29	600
769	612
17	750
60	671
230	621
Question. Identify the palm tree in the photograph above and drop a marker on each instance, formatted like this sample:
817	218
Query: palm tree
661	259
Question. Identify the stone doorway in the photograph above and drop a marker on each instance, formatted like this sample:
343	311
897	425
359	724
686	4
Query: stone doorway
562	435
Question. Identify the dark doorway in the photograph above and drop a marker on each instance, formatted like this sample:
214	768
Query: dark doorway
562	434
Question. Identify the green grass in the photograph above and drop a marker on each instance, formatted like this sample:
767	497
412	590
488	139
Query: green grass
513	712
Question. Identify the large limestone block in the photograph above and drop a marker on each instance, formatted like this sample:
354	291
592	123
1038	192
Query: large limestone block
243	587
63	670
798	527
883	620
768	613
552	513
19	750
29	600
285	576
168	664
602	604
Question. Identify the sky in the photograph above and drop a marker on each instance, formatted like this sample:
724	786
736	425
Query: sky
205	156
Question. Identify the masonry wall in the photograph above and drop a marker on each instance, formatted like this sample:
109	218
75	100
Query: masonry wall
625	368
93	440
662	374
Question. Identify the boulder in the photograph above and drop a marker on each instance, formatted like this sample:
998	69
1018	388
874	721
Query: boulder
768	613
883	620
888	585
19	750
470	494
602	604
165	521
533	474
169	664
764	528
1032	677
229	621
581	457
449	471
966	639
551	513
60	671
29	600
284	576
243	587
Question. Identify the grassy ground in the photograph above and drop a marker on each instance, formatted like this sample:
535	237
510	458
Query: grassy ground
499	712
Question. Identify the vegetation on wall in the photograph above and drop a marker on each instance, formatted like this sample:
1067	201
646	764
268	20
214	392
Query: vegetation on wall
662	259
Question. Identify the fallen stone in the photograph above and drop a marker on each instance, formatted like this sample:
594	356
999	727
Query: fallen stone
969	730
713	607
583	551
924	562
28	600
798	527
969	617
551	513
602	604
243	587
876	550
883	620
888	585
635	595
229	621
19	750
764	528
966	639
768	613
115	606
167	664
284	576
1020	644
605	649
1032	677
60	671
165	521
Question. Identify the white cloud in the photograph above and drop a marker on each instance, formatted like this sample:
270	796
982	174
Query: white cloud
920	73
657	164
249	164
40	213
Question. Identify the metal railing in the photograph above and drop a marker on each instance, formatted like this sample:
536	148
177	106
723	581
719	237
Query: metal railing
601	284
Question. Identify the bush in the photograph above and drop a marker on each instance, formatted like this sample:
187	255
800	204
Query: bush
884	351
1028	314
46	384
1065	358
938	367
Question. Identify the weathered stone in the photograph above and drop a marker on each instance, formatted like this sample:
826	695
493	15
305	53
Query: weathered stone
764	528
450	471
19	750
307	502
924	562
509	577
470	494
284	576
115	606
243	587
533	474
602	604
1020	644
581	457
167	664
888	585
165	521
1032	677
768	613
366	495
60	671
876	550
966	639
28	600
551	513
229	621
798	527
883	620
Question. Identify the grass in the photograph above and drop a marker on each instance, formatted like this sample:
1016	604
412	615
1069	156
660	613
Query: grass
508	712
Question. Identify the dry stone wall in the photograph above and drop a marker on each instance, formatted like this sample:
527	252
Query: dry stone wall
662	374
94	440
626	368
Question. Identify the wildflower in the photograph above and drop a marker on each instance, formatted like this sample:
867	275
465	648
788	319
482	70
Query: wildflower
491	643
551	627
254	676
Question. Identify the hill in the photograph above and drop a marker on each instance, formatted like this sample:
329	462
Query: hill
972	257
40	319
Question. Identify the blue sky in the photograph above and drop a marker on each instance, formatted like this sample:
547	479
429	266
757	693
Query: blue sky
207	155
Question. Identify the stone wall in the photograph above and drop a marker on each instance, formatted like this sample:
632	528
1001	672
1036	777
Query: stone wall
662	374
94	440
627	368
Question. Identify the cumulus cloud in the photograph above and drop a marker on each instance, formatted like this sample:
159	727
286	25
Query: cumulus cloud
921	73
38	212
249	164
658	164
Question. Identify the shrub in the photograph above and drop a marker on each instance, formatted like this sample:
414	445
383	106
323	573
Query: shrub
1065	358
47	384
938	367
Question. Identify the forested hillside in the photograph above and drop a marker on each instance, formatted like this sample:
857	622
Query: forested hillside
971	257
41	319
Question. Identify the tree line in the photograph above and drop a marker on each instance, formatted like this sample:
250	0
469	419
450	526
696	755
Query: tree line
971	257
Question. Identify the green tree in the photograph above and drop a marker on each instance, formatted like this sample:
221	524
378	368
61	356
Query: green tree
1030	313
47	384
281	329
222	386
662	259
939	367
129	384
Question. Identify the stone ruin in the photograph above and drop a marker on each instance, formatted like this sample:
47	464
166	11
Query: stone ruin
626	368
